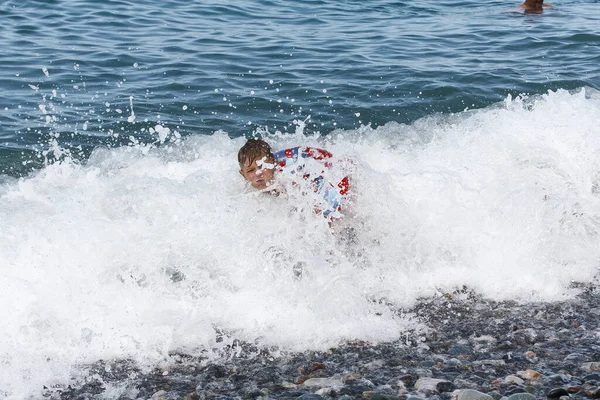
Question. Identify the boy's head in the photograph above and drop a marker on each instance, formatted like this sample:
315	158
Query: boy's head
534	3
257	163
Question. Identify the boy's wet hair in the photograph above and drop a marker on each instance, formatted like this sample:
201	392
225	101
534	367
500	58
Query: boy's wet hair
254	149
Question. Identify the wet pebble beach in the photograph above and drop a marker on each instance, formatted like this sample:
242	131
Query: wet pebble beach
472	349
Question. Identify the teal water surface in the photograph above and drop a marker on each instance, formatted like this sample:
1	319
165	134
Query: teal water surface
80	74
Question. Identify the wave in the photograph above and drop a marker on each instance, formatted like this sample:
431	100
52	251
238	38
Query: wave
142	251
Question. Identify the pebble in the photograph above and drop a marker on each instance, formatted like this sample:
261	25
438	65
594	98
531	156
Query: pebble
309	396
322	382
514	379
433	385
592	377
470	394
557	393
522	396
591	366
496	363
515	390
575	357
574	389
530	374
527	336
460	350
556	379
378	396
160	395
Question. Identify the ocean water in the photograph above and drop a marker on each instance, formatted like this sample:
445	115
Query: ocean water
472	132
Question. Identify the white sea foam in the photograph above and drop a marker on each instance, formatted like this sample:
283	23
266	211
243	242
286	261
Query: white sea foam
505	200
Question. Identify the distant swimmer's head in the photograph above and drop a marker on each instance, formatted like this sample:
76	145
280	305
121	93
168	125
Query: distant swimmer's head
257	164
534	5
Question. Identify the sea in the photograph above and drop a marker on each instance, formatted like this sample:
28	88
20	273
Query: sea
471	130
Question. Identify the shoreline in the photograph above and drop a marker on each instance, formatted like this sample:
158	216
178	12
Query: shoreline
495	349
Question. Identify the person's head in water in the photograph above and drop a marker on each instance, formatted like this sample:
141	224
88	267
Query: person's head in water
257	164
532	5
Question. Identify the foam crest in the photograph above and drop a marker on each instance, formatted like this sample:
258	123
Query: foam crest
145	251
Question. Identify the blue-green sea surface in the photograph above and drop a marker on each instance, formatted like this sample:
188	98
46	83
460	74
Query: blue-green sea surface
79	74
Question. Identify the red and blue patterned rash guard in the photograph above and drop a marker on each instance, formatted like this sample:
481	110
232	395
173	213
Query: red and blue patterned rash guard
315	165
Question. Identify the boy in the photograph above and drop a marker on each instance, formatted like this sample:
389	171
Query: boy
259	165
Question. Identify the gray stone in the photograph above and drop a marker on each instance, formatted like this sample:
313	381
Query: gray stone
422	372
160	395
527	336
382	396
556	379
396	383
310	396
464	384
514	379
522	396
322	382
494	363
591	366
595	377
407	379
557	393
375	365
362	382
433	385
470	394
577	357
495	394
515	390
460	349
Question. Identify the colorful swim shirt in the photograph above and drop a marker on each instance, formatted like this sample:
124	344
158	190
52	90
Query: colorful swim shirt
315	166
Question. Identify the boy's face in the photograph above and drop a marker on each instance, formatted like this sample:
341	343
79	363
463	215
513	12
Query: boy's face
259	173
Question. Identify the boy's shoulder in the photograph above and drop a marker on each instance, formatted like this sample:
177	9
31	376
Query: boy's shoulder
292	152
304	152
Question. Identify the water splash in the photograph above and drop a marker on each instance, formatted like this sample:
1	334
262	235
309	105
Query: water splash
146	250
